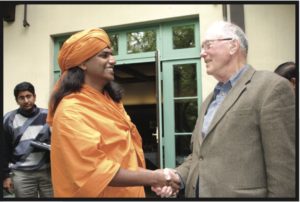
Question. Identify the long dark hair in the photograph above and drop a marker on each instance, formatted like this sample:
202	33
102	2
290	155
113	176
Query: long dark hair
72	83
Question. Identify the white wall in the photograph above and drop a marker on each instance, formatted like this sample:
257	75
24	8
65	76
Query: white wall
271	34
28	52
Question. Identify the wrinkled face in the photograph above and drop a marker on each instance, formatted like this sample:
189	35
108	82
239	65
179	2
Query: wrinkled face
100	67
216	54
26	101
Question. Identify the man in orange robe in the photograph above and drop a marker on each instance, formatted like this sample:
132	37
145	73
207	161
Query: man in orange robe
96	151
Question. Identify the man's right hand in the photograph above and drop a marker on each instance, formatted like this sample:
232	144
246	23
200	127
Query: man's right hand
7	185
170	189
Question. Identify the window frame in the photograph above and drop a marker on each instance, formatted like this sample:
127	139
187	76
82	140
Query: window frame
168	52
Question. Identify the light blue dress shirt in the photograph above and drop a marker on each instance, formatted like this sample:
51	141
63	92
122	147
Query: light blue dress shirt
220	92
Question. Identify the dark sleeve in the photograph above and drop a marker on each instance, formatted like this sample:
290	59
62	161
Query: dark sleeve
7	148
182	184
50	131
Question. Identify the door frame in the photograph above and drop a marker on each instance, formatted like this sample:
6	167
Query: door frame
169	107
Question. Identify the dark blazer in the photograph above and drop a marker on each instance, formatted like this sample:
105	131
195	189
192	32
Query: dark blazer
249	147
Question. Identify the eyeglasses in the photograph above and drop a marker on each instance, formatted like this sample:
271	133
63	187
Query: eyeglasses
23	98
207	43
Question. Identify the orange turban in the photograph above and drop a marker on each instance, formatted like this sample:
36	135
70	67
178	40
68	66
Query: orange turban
82	46
77	49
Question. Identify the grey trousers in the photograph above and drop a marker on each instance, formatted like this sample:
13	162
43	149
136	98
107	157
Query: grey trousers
33	184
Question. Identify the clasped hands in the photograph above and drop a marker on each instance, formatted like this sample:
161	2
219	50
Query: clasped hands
173	183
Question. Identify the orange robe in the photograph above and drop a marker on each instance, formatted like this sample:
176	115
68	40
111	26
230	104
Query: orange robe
92	137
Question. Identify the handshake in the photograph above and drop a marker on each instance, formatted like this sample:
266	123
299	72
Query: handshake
172	183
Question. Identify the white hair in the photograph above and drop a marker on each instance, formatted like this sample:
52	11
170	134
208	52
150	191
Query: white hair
227	30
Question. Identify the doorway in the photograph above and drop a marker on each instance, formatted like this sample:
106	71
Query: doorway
138	81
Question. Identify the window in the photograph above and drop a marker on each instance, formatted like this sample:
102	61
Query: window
114	43
184	37
141	42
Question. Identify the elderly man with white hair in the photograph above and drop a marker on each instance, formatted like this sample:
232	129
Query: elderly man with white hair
243	144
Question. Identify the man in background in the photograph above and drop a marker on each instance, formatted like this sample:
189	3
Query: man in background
30	165
288	71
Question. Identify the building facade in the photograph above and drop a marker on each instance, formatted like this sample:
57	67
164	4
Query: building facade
157	50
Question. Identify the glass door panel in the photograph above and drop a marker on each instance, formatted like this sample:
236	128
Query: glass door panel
182	144
185	80
186	113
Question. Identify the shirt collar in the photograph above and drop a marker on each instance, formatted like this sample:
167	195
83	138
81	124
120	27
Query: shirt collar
231	81
237	75
32	114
